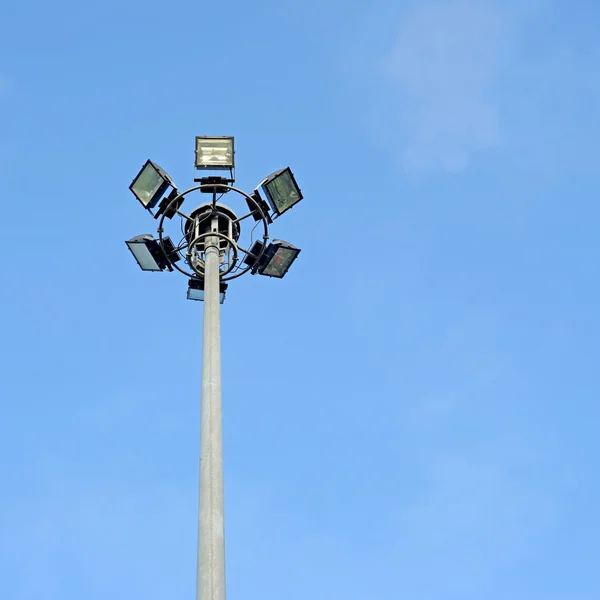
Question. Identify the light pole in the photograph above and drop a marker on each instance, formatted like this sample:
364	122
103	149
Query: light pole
213	256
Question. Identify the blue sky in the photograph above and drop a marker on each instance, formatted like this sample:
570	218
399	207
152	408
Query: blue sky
421	420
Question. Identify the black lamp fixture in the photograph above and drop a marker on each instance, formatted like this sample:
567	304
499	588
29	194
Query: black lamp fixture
264	207
169	205
149	255
276	259
150	184
214	153
281	190
196	290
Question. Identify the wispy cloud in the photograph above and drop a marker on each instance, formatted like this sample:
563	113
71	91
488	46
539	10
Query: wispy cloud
444	65
461	78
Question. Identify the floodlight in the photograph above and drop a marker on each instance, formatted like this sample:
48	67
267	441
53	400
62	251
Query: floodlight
196	290
214	152
148	253
282	190
276	259
150	184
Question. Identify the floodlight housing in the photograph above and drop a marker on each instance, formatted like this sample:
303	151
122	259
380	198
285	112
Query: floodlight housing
196	290
170	251
150	184
281	190
218	184
263	206
276	259
163	207
252	258
148	253
214	152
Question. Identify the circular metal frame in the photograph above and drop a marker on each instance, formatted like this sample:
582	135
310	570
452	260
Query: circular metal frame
213	186
223	237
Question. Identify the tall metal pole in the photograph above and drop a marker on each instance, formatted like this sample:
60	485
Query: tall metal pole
210	578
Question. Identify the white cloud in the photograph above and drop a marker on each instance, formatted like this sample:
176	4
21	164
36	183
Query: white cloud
456	79
444	67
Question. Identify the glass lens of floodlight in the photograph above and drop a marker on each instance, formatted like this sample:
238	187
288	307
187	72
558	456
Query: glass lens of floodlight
215	153
147	184
280	263
199	295
142	255
283	191
195	294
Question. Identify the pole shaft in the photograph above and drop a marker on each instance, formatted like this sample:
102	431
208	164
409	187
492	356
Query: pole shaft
210	581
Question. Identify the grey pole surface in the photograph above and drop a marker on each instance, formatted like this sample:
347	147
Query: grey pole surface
210	578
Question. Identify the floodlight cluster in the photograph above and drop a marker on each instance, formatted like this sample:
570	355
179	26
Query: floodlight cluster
158	194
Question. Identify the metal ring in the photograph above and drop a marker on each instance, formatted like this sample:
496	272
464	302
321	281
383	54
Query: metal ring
212	185
223	237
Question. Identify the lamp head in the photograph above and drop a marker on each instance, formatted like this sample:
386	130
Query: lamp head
149	255
281	190
150	184
196	290
276	259
214	153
